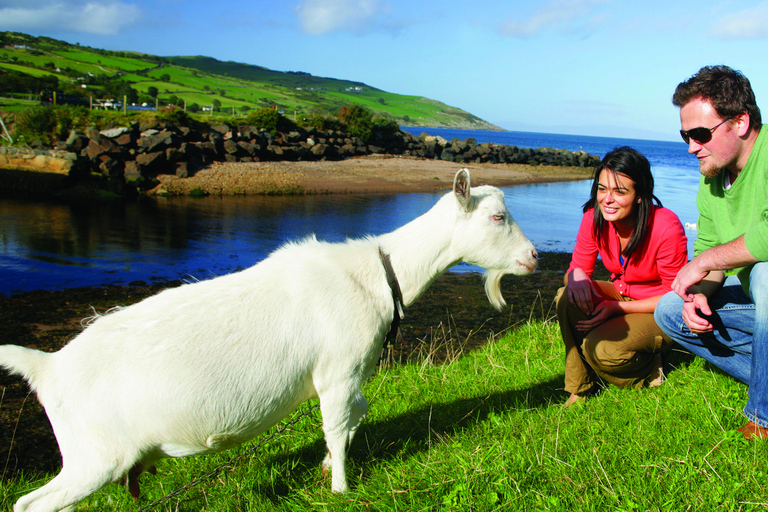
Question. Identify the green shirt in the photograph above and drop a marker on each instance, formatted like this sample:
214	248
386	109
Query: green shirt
725	215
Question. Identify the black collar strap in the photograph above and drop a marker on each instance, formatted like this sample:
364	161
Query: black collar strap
397	296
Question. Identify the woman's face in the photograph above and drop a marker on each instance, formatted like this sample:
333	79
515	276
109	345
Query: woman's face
616	197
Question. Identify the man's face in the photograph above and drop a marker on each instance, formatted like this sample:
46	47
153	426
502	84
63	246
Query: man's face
719	153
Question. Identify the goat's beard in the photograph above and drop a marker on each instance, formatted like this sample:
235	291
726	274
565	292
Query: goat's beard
493	288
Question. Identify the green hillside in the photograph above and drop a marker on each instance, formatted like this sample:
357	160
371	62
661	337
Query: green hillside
31	65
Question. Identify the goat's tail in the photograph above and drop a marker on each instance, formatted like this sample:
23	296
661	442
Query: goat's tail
27	362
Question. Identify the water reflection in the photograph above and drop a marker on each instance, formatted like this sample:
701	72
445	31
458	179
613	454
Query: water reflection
53	246
49	246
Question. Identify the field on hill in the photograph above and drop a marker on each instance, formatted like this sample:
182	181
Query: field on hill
199	83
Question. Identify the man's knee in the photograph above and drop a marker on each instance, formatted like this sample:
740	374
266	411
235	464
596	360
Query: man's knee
758	282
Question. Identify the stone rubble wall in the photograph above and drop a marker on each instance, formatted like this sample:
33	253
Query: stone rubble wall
130	158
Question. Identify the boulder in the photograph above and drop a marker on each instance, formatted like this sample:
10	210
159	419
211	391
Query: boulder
76	141
153	163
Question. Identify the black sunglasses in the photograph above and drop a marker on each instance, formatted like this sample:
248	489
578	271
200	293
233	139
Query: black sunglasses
701	135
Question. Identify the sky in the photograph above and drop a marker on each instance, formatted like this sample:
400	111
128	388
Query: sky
584	67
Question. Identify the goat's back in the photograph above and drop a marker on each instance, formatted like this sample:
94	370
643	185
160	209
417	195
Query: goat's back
229	355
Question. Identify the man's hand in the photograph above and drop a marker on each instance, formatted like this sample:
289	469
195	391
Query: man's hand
696	323
688	276
710	266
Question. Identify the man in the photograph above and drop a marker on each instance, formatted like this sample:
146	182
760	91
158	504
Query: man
725	319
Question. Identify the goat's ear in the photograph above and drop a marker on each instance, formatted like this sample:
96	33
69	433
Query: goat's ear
461	188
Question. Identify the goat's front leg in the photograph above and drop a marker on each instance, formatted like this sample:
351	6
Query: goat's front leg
341	417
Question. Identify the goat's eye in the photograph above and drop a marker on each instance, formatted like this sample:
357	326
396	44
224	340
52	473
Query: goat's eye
498	217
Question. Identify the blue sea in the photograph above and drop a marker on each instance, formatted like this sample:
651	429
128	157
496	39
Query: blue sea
549	212
47	245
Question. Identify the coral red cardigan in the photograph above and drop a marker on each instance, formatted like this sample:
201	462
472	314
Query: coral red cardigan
650	270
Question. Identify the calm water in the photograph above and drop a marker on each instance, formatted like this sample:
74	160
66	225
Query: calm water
56	246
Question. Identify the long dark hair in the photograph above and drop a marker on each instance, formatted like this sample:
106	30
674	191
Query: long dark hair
635	166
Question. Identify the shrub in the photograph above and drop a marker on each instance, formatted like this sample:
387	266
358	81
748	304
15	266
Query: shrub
175	115
50	123
358	120
324	122
271	120
36	123
383	127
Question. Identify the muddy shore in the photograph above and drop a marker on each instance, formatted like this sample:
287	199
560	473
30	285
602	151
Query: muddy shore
373	174
453	315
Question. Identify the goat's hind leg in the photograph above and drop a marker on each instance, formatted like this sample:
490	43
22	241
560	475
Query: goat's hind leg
71	485
341	417
86	469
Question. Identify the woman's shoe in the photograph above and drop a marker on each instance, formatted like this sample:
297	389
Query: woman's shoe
657	377
581	398
574	399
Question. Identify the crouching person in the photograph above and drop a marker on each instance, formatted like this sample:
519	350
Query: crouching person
725	319
608	327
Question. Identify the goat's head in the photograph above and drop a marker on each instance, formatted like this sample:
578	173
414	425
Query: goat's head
486	235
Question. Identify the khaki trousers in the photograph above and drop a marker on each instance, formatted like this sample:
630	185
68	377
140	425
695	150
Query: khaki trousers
620	351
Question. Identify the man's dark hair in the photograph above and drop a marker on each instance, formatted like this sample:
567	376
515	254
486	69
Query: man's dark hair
728	90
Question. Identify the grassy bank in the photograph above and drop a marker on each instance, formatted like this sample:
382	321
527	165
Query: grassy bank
485	430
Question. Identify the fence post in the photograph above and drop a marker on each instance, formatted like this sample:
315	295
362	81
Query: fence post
6	135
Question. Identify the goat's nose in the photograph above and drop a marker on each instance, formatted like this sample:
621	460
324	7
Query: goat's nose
535	254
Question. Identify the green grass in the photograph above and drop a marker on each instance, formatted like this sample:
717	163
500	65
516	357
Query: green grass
25	69
486	431
103	61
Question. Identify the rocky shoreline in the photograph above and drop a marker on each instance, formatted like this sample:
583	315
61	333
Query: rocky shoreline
138	158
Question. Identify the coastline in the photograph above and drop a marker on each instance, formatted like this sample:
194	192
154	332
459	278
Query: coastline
371	174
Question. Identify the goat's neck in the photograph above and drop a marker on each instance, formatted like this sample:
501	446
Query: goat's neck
420	251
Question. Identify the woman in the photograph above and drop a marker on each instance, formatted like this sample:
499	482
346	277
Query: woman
608	327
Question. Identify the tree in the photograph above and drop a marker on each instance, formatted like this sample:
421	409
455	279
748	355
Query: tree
119	88
152	91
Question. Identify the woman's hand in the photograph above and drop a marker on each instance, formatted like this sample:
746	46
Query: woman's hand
604	311
580	290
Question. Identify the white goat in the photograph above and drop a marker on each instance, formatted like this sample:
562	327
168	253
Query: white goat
206	366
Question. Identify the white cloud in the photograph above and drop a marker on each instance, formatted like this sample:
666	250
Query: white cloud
355	16
103	18
745	24
559	15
